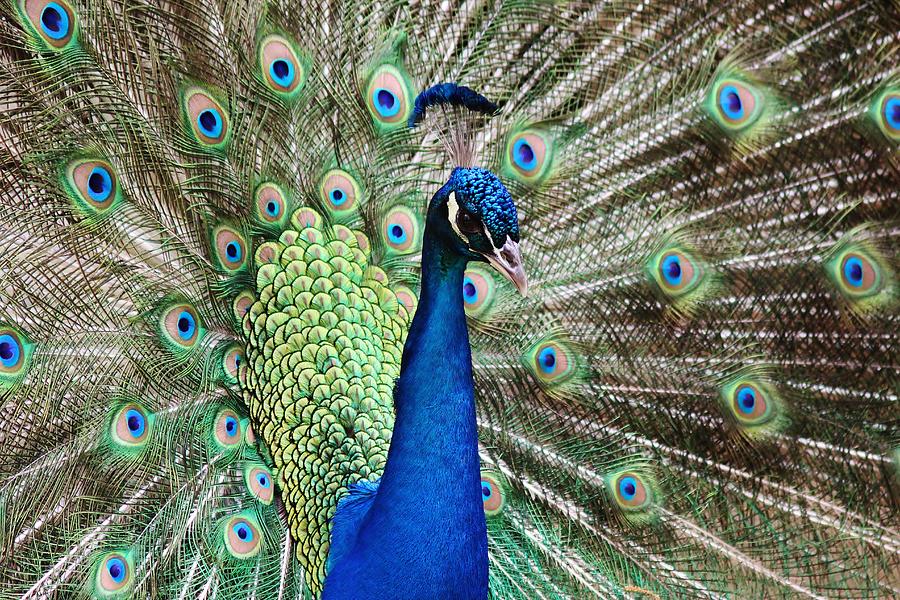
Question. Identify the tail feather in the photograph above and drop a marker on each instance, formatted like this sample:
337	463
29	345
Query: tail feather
698	399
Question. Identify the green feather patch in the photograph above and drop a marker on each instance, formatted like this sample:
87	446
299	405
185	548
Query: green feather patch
884	113
679	276
180	327
529	154
493	492
15	354
53	23
226	430
742	107
553	361
230	248
113	575
861	274
341	193
92	184
401	230
206	120
752	404
479	291
633	494
231	363
242	536
270	205
389	97
131	427
260	483
282	67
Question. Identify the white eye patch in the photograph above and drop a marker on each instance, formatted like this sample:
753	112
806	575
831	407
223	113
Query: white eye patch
452	212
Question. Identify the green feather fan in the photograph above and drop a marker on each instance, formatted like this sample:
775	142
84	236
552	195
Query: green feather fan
211	221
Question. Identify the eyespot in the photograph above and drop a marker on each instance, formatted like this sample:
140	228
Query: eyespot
737	104
206	118
478	290
113	572
15	353
551	361
528	155
131	426
231	363
181	326
885	112
53	21
751	403
228	428
858	273
629	491
242	537
401	229
676	270
92	184
281	68
340	191
230	248
260	483
388	97
493	494
270	203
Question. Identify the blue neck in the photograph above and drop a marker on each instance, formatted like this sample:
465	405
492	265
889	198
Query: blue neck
426	526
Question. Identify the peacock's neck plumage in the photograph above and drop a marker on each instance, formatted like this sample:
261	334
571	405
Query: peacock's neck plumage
426	525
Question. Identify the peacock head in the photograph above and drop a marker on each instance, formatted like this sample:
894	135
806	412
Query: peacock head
475	215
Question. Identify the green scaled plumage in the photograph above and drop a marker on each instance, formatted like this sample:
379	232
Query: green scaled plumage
178	421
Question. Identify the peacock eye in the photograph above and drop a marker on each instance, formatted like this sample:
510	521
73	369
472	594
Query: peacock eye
467	222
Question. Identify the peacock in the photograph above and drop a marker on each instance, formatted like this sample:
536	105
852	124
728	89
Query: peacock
522	299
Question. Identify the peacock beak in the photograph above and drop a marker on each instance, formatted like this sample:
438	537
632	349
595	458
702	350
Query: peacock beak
508	261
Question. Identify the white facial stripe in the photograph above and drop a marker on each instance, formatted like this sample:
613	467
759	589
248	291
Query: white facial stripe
452	211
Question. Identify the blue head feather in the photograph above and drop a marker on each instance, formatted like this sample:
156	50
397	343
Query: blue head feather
483	194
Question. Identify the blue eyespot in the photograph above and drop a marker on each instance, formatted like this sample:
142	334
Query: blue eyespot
233	252
627	488
523	155
136	423
210	123
386	102
470	291
547	359
730	102
853	271
272	208
263	480
746	400
282	72
396	234
55	21
337	196
486	491
671	269
186	325
116	569
892	113
9	351
244	533
99	184
231	426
